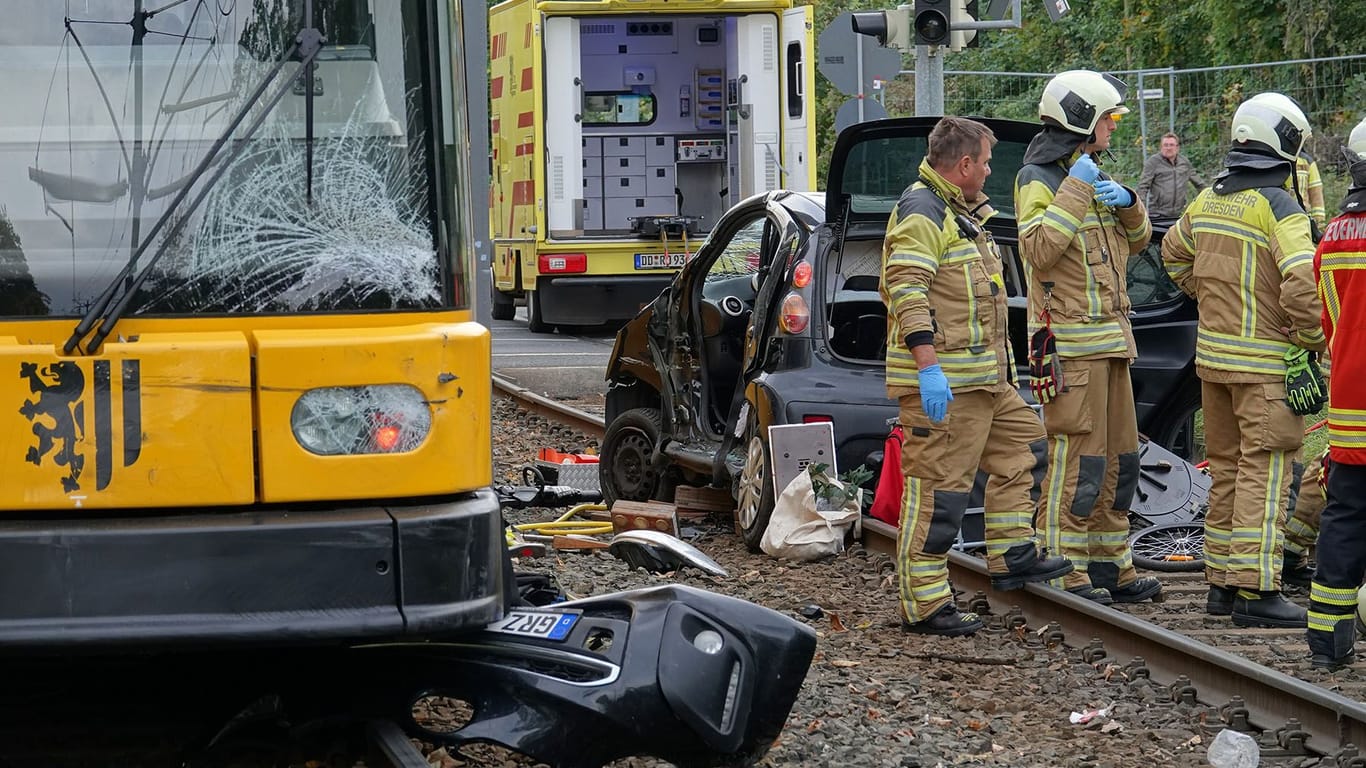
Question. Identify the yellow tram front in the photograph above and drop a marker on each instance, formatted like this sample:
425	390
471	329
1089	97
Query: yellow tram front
242	392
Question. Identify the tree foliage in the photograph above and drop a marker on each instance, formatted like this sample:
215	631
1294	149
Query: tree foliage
1129	35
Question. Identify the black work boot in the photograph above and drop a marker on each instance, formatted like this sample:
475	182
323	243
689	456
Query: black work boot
1267	609
1296	570
1331	663
946	621
1026	563
1335	647
1098	595
1138	590
1220	600
1106	575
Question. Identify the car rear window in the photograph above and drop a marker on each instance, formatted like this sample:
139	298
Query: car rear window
879	170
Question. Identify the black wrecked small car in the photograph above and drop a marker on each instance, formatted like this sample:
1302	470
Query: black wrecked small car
777	320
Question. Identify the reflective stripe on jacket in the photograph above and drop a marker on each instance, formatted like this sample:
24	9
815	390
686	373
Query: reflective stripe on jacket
937	280
1340	264
1247	258
1076	252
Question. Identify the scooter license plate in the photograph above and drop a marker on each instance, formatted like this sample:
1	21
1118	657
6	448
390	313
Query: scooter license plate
543	625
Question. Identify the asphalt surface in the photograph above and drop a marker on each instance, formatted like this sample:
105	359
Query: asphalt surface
558	365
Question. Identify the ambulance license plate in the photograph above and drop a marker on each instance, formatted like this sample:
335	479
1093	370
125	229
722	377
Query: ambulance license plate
659	260
544	625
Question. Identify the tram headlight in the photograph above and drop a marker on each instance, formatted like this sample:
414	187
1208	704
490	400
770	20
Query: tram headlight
344	421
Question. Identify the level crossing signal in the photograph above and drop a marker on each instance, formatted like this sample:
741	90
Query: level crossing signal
928	22
932	21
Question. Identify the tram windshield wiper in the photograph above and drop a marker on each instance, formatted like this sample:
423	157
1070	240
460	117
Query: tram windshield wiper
116	298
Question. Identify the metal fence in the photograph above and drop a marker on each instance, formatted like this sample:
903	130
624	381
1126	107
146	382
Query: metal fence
1196	104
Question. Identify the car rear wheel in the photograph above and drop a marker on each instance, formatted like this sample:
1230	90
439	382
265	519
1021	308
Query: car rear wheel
624	468
1181	428
754	494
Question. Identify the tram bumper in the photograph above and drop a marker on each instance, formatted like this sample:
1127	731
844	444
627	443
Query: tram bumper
672	672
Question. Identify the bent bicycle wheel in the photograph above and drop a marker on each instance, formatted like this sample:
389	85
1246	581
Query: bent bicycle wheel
1172	547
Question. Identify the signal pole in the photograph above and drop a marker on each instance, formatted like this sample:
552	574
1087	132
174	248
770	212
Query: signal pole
935	27
929	80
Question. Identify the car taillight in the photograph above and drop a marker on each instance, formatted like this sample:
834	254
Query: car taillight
801	274
816	418
347	421
794	316
563	263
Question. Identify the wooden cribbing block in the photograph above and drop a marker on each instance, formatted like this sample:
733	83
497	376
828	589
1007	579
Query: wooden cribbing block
578	542
693	502
644	515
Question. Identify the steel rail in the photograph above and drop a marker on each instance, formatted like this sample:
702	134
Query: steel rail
1271	698
391	745
587	423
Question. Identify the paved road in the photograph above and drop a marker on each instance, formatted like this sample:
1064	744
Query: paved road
552	364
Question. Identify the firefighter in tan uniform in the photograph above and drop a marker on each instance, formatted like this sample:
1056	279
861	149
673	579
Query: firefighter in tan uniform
1243	250
1309	185
1307	500
949	365
1078	228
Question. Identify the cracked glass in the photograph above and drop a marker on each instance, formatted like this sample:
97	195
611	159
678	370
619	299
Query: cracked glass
107	147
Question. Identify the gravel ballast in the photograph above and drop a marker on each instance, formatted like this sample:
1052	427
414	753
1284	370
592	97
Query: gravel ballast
876	695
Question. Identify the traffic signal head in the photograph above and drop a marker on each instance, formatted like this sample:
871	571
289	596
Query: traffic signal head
961	12
932	22
891	28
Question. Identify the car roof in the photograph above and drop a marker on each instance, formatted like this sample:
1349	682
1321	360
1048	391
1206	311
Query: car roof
873	163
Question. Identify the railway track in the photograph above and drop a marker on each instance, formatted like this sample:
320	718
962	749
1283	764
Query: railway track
1256	680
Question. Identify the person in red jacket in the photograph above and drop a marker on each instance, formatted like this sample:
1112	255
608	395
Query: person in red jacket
1340	265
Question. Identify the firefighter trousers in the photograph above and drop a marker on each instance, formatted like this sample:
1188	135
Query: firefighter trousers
1092	473
1251	440
1341	563
988	428
1306	508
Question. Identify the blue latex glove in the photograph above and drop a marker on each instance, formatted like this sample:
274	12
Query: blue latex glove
1084	169
1113	194
934	392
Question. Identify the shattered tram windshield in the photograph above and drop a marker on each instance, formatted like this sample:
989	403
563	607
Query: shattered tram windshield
105	121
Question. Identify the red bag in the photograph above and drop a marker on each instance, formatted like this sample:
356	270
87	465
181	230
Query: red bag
890	482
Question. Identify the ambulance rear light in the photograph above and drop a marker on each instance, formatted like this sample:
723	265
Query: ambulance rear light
562	263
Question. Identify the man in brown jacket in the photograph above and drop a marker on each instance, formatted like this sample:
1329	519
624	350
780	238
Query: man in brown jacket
1167	177
1243	250
1078	228
949	365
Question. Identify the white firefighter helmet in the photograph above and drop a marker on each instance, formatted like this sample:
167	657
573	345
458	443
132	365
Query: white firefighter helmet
1273	120
1077	99
1356	140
